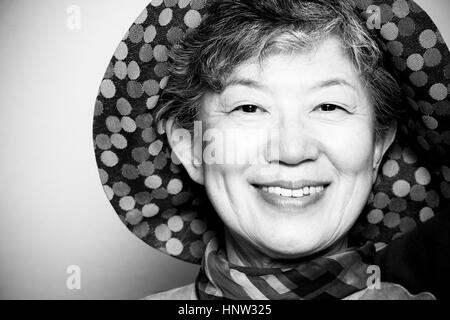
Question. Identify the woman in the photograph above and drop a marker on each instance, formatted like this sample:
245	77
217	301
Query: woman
280	112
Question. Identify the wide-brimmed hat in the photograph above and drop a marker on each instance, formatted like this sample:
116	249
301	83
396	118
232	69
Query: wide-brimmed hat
155	198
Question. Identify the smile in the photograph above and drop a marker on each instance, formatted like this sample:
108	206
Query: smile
292	197
294	193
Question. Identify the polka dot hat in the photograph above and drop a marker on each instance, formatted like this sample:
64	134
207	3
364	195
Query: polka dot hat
154	197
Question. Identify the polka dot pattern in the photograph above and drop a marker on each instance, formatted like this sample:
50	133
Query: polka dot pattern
192	19
418	78
438	91
165	17
120	69
406	27
121	51
174	247
375	216
390	168
422	176
141	230
153	182
162	232
150	210
400	8
428	39
149	189
418	193
108	89
389	31
432	57
175	223
381	200
401	188
415	62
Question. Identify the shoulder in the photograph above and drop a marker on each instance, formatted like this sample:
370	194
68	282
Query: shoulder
182	293
389	291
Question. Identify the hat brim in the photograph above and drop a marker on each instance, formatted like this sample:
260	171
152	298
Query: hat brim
157	201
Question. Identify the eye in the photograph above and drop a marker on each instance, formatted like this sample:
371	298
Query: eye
248	108
330	107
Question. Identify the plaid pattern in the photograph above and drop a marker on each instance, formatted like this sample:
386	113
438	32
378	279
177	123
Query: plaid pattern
333	277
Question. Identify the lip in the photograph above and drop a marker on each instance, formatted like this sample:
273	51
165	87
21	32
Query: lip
291	204
297	184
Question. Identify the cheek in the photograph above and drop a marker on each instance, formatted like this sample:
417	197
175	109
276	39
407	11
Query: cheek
227	193
350	149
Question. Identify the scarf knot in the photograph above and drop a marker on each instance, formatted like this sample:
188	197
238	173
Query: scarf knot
328	277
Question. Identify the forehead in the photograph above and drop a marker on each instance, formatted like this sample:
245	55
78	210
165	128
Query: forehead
326	60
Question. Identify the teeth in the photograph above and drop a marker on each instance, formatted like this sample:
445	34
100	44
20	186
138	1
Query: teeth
296	193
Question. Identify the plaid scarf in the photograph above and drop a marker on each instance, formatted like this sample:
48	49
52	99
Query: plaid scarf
332	277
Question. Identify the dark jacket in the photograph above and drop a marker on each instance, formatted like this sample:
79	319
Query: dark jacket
420	260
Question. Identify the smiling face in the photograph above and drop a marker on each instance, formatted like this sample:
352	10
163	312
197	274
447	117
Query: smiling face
306	196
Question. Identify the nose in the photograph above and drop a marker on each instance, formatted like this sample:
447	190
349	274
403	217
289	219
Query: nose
293	142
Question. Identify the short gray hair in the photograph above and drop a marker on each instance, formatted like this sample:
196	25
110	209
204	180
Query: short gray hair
234	31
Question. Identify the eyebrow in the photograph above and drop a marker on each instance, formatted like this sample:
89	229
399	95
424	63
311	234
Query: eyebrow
244	82
333	82
257	85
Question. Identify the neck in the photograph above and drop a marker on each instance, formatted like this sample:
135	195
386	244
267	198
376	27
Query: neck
242	253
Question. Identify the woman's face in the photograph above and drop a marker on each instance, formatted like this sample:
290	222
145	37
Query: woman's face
304	125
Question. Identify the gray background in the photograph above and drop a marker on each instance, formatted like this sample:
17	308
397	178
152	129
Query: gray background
53	212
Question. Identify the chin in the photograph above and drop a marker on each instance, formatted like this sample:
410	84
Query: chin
294	246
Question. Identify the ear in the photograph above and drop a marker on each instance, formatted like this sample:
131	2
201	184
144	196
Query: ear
382	144
181	142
